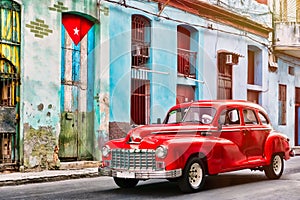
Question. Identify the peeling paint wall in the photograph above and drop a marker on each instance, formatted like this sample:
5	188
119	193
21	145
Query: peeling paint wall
41	73
39	145
248	8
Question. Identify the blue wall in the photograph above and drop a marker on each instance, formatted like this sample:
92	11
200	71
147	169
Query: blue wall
163	60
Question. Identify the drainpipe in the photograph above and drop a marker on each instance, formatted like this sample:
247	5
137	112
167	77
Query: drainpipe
273	26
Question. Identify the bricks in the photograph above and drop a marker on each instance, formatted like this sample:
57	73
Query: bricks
58	7
39	28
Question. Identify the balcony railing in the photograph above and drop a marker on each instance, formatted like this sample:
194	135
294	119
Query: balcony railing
186	62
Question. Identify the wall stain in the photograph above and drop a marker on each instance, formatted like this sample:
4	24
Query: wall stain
38	147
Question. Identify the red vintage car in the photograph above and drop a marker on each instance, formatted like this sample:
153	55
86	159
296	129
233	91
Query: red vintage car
198	139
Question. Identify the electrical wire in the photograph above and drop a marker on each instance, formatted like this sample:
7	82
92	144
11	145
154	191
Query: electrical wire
187	23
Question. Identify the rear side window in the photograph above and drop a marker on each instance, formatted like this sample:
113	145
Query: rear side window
249	116
264	120
229	117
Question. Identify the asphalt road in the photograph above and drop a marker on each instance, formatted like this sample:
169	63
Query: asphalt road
234	185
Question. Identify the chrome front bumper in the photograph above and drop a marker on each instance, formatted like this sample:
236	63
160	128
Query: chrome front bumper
139	174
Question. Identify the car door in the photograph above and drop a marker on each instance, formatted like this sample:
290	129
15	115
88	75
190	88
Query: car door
233	150
255	133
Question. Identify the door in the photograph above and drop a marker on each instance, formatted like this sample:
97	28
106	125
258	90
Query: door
231	131
77	82
224	78
140	101
255	134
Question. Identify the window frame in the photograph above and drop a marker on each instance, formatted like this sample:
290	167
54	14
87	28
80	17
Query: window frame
250	121
227	120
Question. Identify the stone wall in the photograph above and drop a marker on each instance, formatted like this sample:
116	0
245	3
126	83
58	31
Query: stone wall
118	129
39	145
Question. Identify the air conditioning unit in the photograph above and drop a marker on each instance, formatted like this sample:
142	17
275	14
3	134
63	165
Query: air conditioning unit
229	59
140	50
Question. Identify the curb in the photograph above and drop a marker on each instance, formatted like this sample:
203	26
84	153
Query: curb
10	181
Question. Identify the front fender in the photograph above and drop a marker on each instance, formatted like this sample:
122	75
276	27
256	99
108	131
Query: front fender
179	151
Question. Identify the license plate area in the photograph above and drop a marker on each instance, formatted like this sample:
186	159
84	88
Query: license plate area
125	174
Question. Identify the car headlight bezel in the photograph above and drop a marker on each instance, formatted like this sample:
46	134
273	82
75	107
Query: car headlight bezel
105	151
161	151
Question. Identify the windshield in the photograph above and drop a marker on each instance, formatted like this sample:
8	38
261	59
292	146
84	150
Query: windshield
175	116
203	115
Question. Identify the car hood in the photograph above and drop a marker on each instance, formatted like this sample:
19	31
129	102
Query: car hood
165	131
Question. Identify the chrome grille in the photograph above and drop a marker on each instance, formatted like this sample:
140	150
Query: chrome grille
133	159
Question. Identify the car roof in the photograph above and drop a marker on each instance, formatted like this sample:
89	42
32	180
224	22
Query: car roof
218	103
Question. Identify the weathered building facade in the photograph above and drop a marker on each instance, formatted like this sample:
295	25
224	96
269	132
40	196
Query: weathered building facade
49	82
165	52
285	78
76	73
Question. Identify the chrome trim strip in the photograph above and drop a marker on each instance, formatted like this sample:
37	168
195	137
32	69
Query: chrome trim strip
139	174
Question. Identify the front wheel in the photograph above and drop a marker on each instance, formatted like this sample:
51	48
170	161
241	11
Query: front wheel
126	182
275	169
193	176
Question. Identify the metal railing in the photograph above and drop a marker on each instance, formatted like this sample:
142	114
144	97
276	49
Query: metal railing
186	62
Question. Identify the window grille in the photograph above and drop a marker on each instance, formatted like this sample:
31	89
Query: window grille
140	84
10	39
186	62
140	41
8	82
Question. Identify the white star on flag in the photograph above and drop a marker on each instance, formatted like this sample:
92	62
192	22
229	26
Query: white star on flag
76	31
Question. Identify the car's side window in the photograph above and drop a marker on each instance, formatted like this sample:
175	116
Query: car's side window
249	116
229	117
264	120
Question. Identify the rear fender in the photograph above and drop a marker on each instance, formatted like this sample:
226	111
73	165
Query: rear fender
275	144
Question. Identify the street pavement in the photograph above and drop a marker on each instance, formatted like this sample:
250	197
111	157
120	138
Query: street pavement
71	170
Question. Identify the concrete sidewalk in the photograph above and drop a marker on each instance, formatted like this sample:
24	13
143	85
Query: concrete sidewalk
67	171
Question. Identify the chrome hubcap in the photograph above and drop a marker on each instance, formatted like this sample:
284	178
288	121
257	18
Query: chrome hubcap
277	164
195	175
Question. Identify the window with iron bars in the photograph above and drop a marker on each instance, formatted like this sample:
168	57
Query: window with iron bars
8	83
10	38
140	83
140	41
186	59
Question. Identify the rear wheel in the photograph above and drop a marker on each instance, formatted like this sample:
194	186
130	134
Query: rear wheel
193	176
275	169
126	182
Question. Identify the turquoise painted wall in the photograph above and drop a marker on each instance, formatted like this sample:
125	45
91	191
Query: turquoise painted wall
120	64
163	59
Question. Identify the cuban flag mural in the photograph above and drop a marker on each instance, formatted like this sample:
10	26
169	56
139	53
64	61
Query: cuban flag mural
77	80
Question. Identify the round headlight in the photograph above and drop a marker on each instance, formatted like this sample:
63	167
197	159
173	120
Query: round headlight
161	151
105	151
